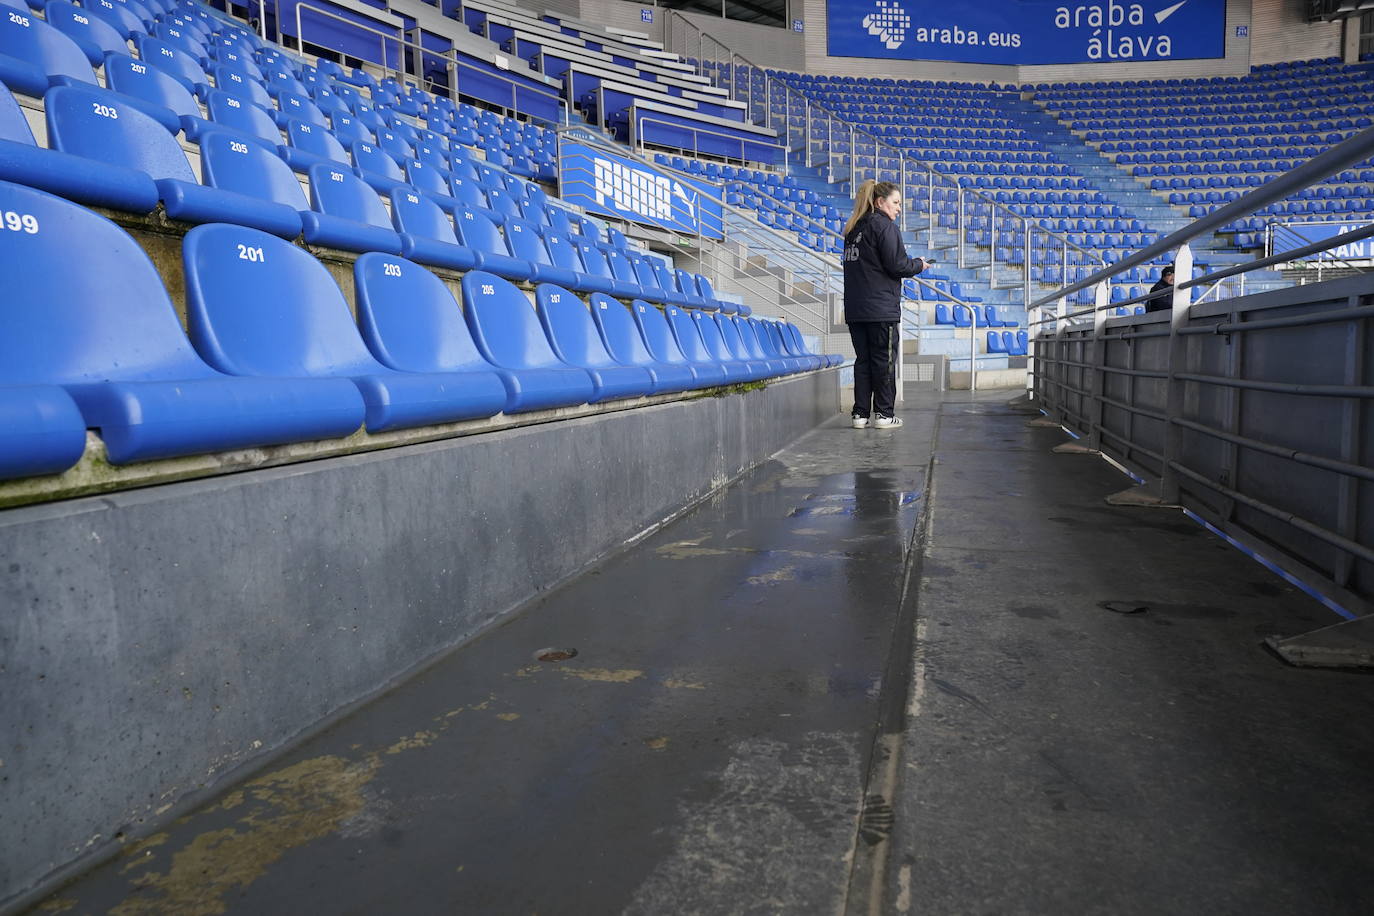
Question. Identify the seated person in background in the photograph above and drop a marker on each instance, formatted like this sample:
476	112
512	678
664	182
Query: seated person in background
1162	293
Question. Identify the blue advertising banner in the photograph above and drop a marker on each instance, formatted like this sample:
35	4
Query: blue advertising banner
1027	32
1288	236
615	186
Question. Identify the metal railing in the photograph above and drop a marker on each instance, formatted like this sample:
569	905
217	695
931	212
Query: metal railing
941	201
642	146
1247	410
453	62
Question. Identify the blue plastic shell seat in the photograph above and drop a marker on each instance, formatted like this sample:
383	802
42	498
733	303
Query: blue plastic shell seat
599	269
93	35
259	306
650	283
662	343
623	340
687	286
346	213
89	181
574	338
526	244
41	431
493	254
708	293
739	348
311	144
170	60
102	327
713	339
375	166
776	331
509	336
157	94
242	86
99	125
749	334
411	323
119	15
426	234
771	343
431	180
35	55
230	113
684	331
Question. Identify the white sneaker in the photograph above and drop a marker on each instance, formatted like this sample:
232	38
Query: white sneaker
858	422
883	422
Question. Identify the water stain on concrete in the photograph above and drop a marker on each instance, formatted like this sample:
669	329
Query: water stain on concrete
604	675
776	577
417	740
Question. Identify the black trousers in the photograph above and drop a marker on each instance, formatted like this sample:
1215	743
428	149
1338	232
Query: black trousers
875	367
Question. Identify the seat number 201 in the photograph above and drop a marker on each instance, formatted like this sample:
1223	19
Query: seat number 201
251	254
19	222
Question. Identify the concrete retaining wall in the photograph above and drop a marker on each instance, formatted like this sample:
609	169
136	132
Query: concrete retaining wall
154	641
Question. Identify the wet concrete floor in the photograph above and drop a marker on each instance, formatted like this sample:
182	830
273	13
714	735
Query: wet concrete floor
765	716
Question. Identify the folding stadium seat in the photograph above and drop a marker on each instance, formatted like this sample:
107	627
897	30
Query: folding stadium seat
259	306
119	16
718	348
574	338
623	341
687	286
507	333
172	61
770	341
661	341
494	253
100	126
739	348
1013	344
749	334
89	181
93	35
156	93
708	295
525	243
103	327
377	168
34	55
792	343
345	213
241	86
411	323
689	340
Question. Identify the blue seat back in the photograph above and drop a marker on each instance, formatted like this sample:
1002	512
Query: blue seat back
258	305
118	15
137	79
395	146
687	284
504	325
242	86
13	125
372	158
39	52
623	269
503	203
316	140
95	124
347	129
427	178
238	164
93	35
69	321
182	40
230	58
593	260
995	344
299	106
235	113
645	272
525	243
338	192
619	332
569	328
563	253
409	319
712	336
417	215
468	191
170	60
657	336
688	338
561	221
479	233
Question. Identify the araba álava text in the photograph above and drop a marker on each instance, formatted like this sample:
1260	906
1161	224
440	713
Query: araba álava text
1113	46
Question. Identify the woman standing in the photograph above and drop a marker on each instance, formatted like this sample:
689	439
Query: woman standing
875	263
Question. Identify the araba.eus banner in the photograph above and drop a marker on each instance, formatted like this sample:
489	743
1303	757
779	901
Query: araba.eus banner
1027	32
616	186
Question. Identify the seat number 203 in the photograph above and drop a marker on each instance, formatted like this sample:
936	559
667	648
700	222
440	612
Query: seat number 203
19	222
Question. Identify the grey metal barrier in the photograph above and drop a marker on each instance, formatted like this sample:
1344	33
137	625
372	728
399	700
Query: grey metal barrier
1254	412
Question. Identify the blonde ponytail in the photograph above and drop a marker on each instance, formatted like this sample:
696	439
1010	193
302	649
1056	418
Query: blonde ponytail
868	192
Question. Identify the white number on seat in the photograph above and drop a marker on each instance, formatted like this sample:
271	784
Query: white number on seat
488	289
138	68
251	254
305	129
555	298
81	19
166	52
391	270
105	111
412	198
238	147
232	103
19	20
336	176
20	222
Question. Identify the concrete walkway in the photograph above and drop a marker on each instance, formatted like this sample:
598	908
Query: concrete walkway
874	675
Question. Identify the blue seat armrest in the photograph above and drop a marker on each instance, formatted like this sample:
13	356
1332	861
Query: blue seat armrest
559	276
59	79
195	203
76	178
301	161
436	253
503	265
346	234
41	431
380	183
22	76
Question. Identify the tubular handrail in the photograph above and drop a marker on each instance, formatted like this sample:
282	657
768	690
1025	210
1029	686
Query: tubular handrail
1345	154
450	57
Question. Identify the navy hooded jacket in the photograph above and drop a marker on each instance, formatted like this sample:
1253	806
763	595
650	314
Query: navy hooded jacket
875	263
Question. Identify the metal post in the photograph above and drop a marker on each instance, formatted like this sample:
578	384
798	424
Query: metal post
1026	259
960	230
1095	387
992	246
1173	434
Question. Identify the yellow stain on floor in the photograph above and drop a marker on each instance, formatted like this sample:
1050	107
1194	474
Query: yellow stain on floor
605	675
508	716
57	905
677	683
785	574
285	809
656	744
140	850
419	739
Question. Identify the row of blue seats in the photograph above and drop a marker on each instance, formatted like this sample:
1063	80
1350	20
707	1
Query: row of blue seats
125	160
274	356
1006	342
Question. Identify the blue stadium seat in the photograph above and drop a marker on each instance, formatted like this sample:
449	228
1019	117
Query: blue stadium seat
708	294
1011	344
41	430
88	181
346	213
662	344
739	348
93	35
375	166
687	286
310	144
480	234
257	305
155	93
622	339
34	55
508	335
689	341
266	194
98	125
718	347
575	340
963	317
231	113
426	234
411	323
170	60
599	269
995	344
525	243
241	86
760	347
942	313
101	326
119	16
